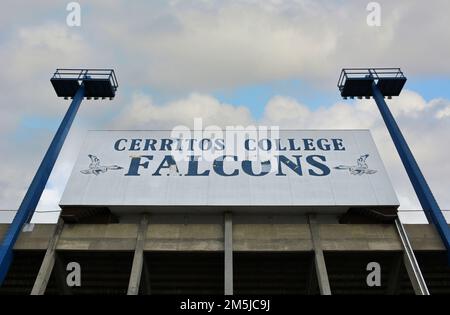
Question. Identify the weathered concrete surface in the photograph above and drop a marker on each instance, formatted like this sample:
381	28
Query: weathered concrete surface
271	237
138	259
40	284
184	237
352	237
424	237
114	237
37	239
246	237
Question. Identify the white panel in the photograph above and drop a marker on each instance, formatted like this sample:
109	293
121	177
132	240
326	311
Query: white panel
363	183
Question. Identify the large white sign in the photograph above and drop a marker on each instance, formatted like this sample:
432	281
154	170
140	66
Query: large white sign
291	169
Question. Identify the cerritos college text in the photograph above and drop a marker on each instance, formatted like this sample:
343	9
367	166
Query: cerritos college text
315	164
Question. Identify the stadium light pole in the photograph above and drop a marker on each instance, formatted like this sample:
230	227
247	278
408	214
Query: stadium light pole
68	83
388	82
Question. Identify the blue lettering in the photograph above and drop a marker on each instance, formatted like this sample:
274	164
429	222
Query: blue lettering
247	168
292	145
325	170
218	165
191	144
208	146
338	145
296	167
117	145
220	144
136	163
179	144
279	145
266	147
166	144
309	144
135	144
323	144
193	167
247	144
167	162
150	143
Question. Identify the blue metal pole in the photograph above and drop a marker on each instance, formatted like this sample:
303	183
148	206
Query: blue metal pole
34	192
423	191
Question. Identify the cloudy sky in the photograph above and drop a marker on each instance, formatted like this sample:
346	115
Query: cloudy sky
229	62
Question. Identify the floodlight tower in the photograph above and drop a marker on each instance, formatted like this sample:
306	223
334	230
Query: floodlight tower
68	83
380	83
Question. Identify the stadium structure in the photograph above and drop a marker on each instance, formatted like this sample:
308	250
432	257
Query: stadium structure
147	212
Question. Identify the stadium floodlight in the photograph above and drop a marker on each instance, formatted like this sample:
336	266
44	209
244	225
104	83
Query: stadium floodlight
68	83
388	82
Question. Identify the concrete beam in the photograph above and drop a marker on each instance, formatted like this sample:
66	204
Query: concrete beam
359	237
271	237
424	237
228	245
246	237
138	259
184	237
321	268
45	271
97	237
37	239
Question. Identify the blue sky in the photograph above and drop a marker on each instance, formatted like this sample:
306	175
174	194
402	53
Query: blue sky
430	87
229	62
256	96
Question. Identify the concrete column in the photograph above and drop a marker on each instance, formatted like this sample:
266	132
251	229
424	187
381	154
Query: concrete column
138	259
228	248
40	284
411	264
321	268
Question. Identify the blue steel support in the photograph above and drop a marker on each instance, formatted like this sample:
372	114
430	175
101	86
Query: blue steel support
423	191
34	192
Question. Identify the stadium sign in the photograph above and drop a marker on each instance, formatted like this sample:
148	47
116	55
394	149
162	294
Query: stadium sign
290	168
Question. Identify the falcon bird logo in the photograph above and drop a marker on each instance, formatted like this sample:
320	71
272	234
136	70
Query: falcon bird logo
95	167
360	169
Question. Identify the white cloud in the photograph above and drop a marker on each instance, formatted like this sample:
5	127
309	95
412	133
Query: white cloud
444	113
416	117
208	45
142	113
27	61
203	46
425	132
